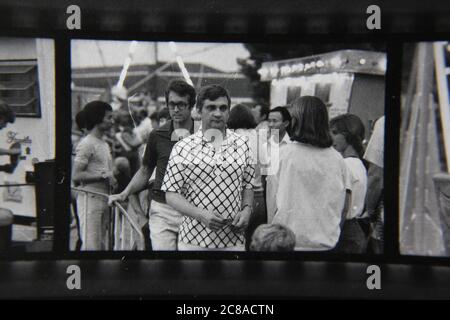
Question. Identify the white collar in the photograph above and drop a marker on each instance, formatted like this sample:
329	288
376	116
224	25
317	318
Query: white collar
286	139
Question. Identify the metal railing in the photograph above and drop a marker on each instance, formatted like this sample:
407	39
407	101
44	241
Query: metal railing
121	236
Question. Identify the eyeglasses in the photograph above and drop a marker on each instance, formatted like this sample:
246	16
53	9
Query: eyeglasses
181	105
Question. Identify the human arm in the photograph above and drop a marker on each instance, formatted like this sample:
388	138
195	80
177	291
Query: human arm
10	152
140	179
81	175
347	202
136	185
242	218
131	139
374	189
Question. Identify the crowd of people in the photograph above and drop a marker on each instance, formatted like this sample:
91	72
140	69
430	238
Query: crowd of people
244	177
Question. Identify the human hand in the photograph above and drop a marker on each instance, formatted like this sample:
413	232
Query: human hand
212	220
116	197
241	220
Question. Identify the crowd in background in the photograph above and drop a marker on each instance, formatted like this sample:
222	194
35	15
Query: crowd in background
316	184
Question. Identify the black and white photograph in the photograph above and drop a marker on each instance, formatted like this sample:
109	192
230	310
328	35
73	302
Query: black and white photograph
425	150
27	144
196	146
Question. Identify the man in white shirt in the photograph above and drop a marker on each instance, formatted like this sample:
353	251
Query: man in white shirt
279	122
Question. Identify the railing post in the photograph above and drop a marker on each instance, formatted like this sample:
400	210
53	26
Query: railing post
122	233
85	233
118	222
116	229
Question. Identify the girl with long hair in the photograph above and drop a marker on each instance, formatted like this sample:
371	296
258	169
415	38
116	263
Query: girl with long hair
347	131
311	182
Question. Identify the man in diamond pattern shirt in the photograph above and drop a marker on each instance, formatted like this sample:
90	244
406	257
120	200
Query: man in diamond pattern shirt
209	179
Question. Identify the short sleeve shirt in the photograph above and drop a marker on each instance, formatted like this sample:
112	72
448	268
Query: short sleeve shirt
96	154
358	179
157	151
375	148
213	180
310	189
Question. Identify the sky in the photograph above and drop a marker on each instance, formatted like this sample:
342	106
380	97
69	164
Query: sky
96	53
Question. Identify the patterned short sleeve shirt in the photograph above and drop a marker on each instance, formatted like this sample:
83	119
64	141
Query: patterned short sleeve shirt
211	179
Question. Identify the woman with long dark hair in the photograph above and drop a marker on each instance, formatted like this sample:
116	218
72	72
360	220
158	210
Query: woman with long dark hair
311	181
93	170
347	131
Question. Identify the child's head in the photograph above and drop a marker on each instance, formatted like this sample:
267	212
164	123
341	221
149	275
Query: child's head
347	129
272	237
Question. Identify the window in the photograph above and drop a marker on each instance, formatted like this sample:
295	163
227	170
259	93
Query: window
292	94
19	87
322	91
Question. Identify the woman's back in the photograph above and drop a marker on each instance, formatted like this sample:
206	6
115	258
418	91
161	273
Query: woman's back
311	189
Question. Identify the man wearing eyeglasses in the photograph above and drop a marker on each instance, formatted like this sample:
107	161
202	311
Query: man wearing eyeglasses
164	221
210	179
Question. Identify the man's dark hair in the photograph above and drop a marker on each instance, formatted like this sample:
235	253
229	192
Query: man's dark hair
163	113
142	114
92	114
6	112
182	88
352	128
154	115
264	110
310	122
241	117
211	92
285	115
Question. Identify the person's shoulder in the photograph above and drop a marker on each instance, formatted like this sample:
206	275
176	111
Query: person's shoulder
355	164
262	125
336	154
241	140
187	142
86	141
327	154
353	161
293	150
380	121
164	130
295	146
165	127
240	135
